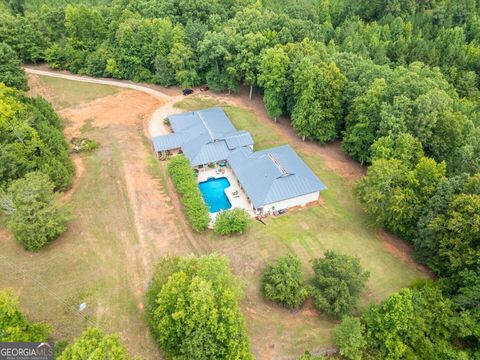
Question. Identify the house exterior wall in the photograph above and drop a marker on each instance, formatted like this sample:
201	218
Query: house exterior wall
296	201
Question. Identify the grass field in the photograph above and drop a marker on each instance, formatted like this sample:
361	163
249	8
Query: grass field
340	225
64	94
97	260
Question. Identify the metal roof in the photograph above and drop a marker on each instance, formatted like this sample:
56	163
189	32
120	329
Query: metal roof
239	139
267	176
169	142
273	175
205	136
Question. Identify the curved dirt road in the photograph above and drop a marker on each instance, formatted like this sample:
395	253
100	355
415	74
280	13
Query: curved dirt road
155	124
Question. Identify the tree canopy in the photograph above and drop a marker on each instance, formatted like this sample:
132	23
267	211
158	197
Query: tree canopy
33	215
193	309
14	324
94	344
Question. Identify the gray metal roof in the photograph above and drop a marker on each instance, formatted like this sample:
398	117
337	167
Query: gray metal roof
239	139
204	136
169	142
273	175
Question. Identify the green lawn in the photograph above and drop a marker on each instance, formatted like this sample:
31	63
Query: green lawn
65	94
88	263
340	225
94	261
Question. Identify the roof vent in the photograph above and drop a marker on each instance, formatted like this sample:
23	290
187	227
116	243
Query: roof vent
279	166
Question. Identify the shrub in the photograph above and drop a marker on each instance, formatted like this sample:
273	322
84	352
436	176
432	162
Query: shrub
231	222
185	182
337	284
14	325
192	304
32	214
282	281
94	344
349	338
84	145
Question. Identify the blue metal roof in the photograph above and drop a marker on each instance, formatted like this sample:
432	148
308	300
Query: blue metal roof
169	142
273	175
205	136
267	176
239	139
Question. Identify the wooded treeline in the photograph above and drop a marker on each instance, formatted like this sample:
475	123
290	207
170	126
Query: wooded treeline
396	80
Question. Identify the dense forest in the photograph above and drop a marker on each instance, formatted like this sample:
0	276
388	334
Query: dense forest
397	81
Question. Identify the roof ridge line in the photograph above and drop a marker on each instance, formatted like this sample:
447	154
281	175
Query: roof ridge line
206	126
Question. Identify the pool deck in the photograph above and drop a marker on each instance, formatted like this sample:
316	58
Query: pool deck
238	201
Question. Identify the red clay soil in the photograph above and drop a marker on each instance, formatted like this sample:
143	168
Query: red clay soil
400	249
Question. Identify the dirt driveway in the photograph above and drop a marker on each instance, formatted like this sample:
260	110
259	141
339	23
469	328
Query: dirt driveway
156	214
121	119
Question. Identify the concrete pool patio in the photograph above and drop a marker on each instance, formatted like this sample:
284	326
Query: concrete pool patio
237	201
263	182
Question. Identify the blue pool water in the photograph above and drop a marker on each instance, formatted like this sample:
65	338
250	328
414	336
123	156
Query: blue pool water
213	192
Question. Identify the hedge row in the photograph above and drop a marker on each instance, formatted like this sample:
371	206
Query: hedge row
185	182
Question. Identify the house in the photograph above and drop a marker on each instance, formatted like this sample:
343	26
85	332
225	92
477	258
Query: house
271	180
204	136
275	178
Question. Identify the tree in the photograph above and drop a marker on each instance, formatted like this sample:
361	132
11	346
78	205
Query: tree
415	322
33	216
247	57
458	232
363	121
396	195
15	326
337	283
94	344
272	77
317	112
348	336
283	282
11	73
403	147
31	140
181	59
195	313
388	325
216	56
231	222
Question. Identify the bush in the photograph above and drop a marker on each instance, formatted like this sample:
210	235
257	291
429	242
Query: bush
15	326
32	214
349	338
185	182
283	282
231	222
192	304
84	145
337	284
94	344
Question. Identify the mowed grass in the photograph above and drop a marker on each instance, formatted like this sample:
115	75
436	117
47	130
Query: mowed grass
86	264
340	225
65	93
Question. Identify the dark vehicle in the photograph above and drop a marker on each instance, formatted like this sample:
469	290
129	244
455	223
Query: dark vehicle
187	92
205	88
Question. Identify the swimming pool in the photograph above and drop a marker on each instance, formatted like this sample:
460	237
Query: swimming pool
213	192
